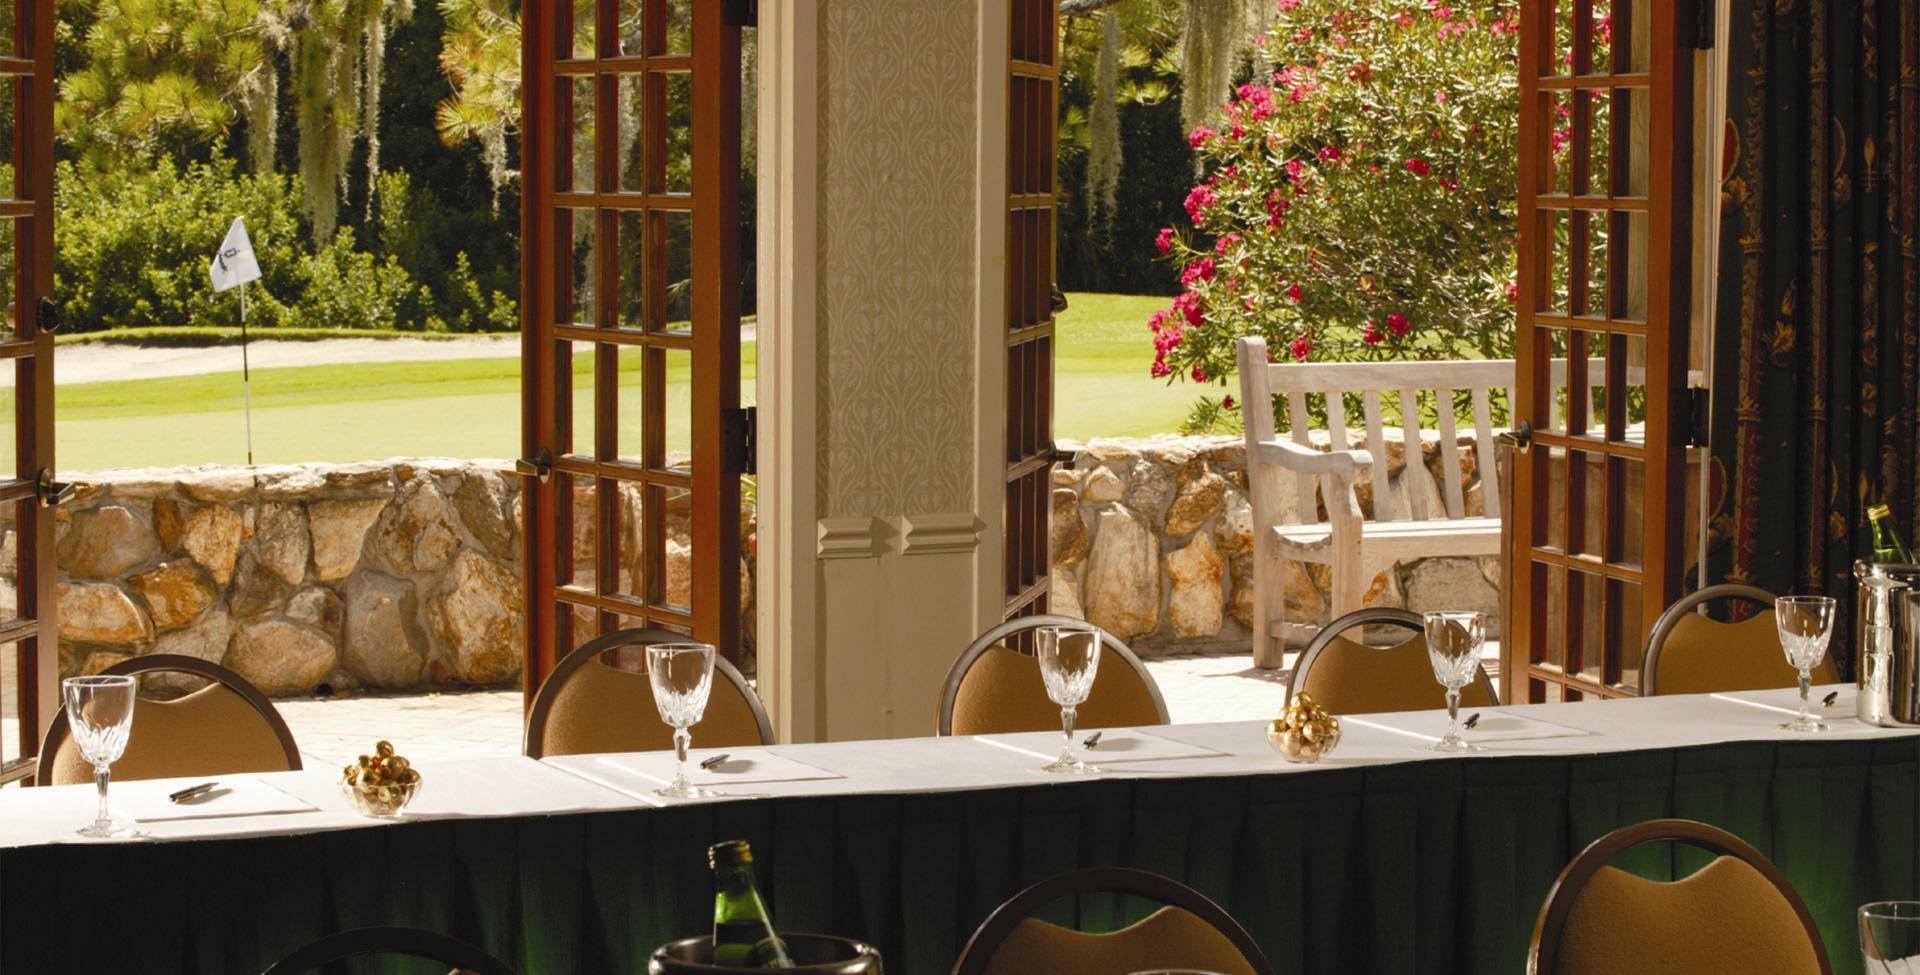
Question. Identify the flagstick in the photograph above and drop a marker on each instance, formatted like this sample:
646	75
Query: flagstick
246	372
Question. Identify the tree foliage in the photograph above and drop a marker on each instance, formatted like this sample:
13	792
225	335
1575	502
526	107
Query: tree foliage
1358	203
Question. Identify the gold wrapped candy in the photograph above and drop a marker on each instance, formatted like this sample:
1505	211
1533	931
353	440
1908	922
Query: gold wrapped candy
1305	732
380	784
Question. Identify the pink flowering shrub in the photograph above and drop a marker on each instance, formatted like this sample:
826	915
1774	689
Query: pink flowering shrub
1357	204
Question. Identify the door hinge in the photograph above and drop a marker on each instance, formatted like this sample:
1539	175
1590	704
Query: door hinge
740	438
742	13
52	493
1698	419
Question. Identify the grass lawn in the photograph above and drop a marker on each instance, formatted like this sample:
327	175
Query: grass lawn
471	407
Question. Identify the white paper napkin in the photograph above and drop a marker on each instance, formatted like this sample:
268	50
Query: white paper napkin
234	795
638	774
1787	700
1116	745
1494	725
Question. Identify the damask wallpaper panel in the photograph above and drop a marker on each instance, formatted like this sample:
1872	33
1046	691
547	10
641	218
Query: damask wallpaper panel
896	314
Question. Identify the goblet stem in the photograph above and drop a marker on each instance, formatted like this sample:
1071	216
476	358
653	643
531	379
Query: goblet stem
682	741
1453	713
102	820
1806	687
1066	727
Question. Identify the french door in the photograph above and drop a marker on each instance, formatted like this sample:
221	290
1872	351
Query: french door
1605	195
29	640
633	439
1032	86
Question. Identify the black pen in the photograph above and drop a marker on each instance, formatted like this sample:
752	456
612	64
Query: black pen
192	792
715	762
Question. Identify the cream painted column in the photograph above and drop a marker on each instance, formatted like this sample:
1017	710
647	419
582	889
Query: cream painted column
880	347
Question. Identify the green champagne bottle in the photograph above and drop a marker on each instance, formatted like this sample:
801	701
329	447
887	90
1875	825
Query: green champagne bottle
1887	546
743	935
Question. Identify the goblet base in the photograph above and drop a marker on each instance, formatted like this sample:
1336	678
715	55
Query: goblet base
1070	766
686	792
1454	745
1805	724
112	829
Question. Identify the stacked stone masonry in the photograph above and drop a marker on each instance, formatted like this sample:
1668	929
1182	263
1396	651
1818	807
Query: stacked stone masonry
388	575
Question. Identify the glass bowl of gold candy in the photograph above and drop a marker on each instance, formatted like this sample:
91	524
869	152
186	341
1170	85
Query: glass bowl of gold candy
1305	732
380	784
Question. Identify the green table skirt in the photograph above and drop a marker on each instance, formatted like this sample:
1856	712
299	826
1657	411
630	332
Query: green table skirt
1434	866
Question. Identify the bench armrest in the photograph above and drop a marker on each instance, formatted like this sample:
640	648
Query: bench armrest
1303	459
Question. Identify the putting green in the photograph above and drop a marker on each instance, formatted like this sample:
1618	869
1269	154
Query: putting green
471	407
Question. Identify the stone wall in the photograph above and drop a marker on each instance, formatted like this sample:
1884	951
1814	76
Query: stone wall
382	575
1152	540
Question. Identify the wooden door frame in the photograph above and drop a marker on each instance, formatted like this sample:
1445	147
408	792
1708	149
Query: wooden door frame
1669	204
714	344
34	632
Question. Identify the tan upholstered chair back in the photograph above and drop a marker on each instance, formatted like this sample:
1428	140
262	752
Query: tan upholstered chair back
1688	653
1348	677
1187	932
993	690
587	706
1737	914
224	728
1168	938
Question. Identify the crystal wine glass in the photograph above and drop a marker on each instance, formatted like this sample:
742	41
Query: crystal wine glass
682	677
1806	624
100	716
1069	657
1890	937
1454	641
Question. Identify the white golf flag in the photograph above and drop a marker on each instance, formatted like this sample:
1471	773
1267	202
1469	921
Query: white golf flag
234	263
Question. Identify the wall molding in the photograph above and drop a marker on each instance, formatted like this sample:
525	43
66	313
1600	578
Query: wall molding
851	538
929	534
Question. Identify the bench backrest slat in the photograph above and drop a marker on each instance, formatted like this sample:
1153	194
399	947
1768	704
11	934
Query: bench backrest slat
1415	451
1301	423
1483	440
1377	446
1449	455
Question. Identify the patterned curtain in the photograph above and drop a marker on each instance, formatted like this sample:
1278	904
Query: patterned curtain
1818	321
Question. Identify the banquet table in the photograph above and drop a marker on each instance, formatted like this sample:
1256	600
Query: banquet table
1382	858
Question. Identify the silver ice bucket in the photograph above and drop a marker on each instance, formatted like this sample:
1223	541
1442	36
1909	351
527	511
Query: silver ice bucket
1887	636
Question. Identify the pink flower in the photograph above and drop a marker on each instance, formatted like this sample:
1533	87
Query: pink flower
1288	6
1160	368
1256	100
1221	246
1513	291
1360	73
1190	306
1294	292
1398	325
1164	240
1301	348
1198	201
1228	404
1329	154
1199	373
1370	334
1199	137
1295	170
1418	166
1200	270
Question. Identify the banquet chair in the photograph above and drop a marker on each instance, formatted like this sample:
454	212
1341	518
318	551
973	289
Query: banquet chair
587	706
1688	653
1187	932
464	958
1350	677
991	689
1739	913
225	727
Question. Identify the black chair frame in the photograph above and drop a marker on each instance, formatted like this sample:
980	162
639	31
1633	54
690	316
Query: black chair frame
1372	616
59	730
986	940
950	688
617	640
415	942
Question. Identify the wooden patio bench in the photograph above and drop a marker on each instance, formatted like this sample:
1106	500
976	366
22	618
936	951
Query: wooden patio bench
1354	545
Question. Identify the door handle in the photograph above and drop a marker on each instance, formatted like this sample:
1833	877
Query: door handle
46	314
1520	438
52	493
1061	455
539	466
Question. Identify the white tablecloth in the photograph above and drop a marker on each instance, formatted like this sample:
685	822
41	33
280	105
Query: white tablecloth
517	786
